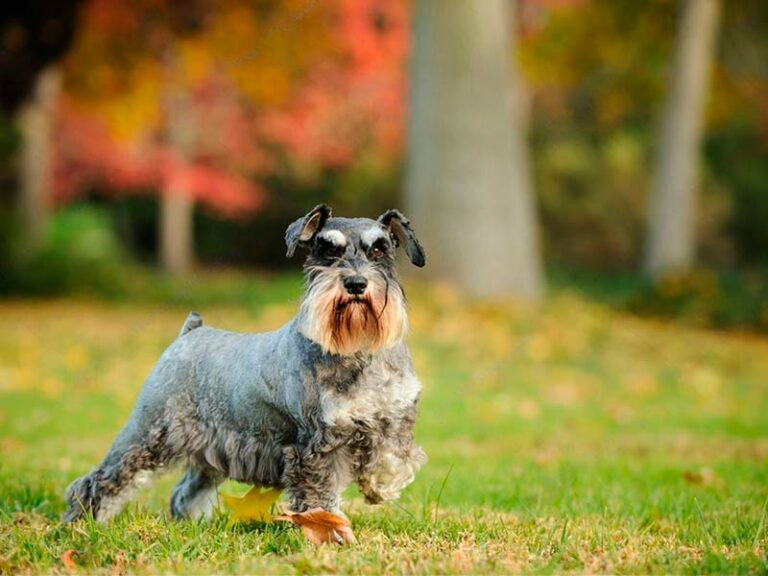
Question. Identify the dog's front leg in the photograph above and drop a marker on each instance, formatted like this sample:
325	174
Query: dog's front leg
389	460
315	477
386	476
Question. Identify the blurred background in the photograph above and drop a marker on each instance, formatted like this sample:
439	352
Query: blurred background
618	148
589	179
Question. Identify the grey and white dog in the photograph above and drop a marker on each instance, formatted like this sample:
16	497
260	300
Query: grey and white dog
326	400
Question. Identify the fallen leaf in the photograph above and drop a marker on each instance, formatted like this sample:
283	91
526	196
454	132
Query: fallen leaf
704	476
66	559
320	526
255	505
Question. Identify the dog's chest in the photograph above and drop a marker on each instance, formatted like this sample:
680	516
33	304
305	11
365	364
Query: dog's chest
379	394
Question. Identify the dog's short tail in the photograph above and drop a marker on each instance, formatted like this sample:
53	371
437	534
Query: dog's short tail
194	320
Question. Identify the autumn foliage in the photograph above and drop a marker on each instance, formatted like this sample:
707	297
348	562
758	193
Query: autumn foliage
286	88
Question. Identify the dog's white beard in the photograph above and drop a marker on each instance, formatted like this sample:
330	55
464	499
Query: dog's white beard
340	325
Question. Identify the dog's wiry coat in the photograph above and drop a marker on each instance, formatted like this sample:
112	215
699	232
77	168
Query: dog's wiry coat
327	400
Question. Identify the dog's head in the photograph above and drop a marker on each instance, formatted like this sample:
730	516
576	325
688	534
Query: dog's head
353	302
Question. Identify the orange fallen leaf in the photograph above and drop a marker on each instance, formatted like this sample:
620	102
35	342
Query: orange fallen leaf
320	526
254	505
66	559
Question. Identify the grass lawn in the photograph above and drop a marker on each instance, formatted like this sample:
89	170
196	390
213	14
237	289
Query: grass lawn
568	438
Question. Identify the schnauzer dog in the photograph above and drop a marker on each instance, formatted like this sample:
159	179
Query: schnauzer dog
327	400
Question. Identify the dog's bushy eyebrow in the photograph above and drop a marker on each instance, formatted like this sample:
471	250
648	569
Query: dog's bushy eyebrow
382	243
371	235
334	237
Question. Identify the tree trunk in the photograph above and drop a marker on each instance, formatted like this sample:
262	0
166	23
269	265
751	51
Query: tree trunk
36	124
177	204
176	238
671	238
468	183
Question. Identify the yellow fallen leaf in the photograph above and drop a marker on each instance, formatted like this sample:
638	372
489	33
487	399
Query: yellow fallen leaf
320	526
255	505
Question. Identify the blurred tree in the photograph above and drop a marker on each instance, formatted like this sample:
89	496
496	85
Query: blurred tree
670	241
594	67
597	69
737	135
469	186
176	202
289	90
140	79
33	36
35	120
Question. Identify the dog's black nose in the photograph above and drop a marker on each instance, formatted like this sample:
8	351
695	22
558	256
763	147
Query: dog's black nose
355	285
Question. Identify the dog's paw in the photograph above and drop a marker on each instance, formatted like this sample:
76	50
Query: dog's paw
320	526
79	498
392	474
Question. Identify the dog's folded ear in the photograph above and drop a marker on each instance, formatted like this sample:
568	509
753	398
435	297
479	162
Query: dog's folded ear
400	227
305	228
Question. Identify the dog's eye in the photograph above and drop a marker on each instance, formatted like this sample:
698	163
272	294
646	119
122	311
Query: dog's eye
376	252
329	249
334	251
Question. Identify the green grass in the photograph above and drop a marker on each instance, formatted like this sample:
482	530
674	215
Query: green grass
565	438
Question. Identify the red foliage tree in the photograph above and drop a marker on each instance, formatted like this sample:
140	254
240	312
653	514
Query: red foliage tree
321	85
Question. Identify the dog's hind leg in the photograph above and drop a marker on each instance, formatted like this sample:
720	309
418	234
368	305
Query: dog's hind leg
195	496
104	491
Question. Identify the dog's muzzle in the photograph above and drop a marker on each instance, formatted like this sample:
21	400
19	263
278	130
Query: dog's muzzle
347	314
355	285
